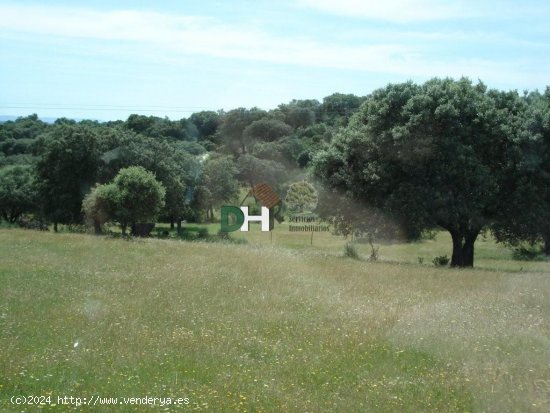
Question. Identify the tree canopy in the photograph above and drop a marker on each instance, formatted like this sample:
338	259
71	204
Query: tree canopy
429	155
17	191
66	170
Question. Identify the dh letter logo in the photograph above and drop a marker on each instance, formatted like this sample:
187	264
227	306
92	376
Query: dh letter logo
241	219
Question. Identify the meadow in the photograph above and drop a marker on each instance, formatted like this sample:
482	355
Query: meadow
279	324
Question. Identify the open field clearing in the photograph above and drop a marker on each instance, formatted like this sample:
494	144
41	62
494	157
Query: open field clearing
272	326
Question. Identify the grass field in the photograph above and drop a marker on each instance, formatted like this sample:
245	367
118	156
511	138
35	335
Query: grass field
276	325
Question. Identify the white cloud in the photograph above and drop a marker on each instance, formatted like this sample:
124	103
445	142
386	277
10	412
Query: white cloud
407	11
174	37
192	35
392	10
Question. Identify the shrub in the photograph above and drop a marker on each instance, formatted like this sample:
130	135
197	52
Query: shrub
441	261
134	198
32	223
523	253
350	251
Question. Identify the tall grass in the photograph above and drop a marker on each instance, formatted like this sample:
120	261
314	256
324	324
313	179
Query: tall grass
266	328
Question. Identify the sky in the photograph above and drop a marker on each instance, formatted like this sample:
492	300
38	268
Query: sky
107	59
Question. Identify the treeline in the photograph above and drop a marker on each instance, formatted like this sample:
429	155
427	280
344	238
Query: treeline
406	158
47	170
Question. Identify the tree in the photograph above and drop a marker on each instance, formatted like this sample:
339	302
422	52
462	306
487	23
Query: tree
99	206
172	165
527	215
206	122
66	170
300	113
17	191
29	127
252	171
217	185
135	196
338	108
301	196
232	128
156	127
429	155
266	130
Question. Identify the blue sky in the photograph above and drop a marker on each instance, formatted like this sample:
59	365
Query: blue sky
107	59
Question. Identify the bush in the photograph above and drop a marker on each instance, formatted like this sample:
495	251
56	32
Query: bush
162	233
32	223
523	253
226	237
142	229
350	251
441	261
77	228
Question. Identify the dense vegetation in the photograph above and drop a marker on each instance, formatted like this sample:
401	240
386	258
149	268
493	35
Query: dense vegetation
405	159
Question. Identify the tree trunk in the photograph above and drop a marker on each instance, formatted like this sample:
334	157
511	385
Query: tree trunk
171	223
546	238
457	258
211	214
97	228
468	250
463	248
178	223
55	227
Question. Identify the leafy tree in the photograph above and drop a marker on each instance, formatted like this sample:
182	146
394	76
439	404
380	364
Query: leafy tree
17	191
428	155
233	125
23	159
266	130
301	113
301	196
100	205
156	127
252	171
64	121
139	123
29	127
526	217
66	170
338	108
17	146
218	184
268	150
172	165
135	196
206	122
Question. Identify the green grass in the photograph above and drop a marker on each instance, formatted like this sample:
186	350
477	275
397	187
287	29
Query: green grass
488	254
275	325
